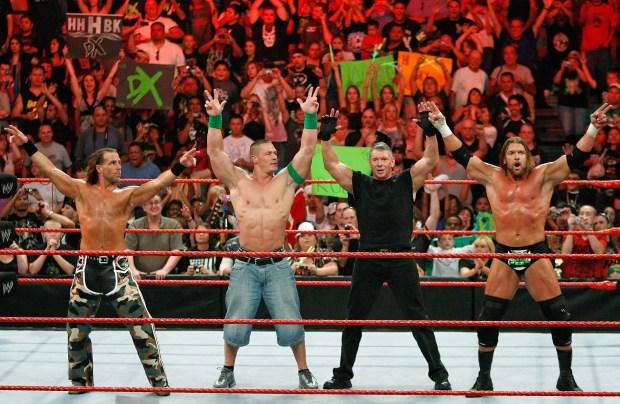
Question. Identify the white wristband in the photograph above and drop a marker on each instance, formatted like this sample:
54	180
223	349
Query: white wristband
592	130
445	130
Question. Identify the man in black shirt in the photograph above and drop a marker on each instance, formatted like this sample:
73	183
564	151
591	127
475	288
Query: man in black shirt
384	204
413	33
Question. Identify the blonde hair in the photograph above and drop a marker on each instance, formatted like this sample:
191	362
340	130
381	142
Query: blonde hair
213	194
487	241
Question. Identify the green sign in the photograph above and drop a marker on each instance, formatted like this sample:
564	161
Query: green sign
144	86
354	73
356	158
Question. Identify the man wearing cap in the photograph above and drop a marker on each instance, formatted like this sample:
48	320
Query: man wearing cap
104	211
315	211
384	203
262	202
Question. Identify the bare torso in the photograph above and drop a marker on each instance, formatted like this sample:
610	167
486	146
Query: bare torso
262	211
520	207
103	217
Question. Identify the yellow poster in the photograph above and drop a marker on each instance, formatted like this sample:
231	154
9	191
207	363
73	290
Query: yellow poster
429	67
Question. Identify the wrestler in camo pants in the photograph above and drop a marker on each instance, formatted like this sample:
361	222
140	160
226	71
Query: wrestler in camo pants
93	277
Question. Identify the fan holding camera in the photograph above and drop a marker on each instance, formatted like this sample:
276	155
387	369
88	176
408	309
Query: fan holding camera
222	47
308	242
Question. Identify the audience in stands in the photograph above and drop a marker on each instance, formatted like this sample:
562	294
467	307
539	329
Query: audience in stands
262	55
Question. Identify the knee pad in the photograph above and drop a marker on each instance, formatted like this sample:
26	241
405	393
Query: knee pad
493	309
555	310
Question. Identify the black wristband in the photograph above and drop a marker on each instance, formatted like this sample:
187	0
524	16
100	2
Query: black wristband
177	169
30	148
426	125
328	127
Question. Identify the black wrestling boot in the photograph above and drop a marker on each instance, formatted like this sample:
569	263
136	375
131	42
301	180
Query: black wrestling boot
443	384
483	383
336	383
566	382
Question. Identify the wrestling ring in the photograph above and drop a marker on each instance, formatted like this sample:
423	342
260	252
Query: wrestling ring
389	366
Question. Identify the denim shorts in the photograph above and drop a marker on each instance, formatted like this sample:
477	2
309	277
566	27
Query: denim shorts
275	284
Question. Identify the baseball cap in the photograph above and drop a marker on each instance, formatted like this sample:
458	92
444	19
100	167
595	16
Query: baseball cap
308	189
197	198
304	226
574	55
615	85
331	208
69	201
615	268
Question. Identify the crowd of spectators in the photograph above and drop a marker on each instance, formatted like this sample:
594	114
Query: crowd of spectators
508	58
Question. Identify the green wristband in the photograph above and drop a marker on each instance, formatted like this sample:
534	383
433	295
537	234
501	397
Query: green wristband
310	121
215	121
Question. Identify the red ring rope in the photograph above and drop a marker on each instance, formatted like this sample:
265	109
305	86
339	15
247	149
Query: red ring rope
332	323
390	392
596	183
285	254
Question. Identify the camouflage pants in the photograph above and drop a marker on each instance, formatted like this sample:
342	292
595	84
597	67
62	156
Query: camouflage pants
96	277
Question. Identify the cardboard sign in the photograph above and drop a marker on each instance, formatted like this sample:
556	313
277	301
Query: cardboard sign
354	73
94	36
429	67
355	158
145	86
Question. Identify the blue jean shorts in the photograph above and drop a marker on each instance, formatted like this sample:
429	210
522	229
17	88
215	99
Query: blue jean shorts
275	284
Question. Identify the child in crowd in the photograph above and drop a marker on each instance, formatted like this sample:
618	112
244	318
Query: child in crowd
447	267
372	39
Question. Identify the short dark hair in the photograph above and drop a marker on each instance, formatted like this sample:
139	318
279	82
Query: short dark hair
235	116
373	23
220	63
136	144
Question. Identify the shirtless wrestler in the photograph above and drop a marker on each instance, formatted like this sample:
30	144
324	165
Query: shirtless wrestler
520	195
262	202
104	210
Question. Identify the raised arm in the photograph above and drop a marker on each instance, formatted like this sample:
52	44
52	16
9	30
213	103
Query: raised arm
475	167
65	184
420	170
221	163
340	171
299	168
254	12
108	81
149	189
541	17
558	170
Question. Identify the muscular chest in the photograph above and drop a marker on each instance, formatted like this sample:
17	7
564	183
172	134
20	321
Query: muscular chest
105	207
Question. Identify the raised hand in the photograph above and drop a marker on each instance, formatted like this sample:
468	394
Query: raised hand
328	125
188	159
15	135
434	114
213	105
311	104
599	117
424	122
